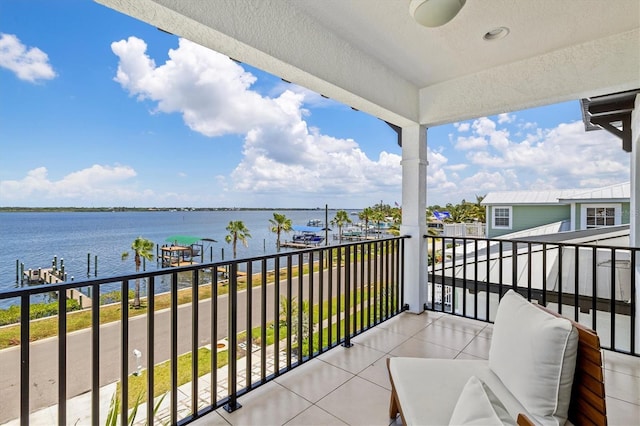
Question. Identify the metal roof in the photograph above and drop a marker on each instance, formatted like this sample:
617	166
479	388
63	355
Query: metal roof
583	236
529	197
619	192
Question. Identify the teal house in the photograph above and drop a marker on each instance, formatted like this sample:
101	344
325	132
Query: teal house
509	212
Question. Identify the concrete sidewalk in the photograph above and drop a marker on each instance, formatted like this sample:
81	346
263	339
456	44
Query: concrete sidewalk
79	407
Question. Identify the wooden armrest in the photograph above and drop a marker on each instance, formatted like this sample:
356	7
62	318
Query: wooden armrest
523	420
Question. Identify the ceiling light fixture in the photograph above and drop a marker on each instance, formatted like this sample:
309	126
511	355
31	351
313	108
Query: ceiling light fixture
496	33
434	13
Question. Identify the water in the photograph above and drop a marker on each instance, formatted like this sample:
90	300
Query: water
34	238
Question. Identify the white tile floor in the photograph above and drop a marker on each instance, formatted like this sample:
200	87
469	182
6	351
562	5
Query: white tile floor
351	386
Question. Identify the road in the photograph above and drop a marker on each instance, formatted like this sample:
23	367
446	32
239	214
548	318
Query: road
44	353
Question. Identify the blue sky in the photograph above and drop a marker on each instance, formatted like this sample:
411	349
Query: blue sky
98	109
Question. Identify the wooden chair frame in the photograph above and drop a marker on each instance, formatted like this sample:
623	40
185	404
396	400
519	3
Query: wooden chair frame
587	406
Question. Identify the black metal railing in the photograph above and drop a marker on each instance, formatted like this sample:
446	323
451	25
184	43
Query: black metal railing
593	284
221	330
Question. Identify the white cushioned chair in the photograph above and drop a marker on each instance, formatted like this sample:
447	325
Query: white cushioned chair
528	379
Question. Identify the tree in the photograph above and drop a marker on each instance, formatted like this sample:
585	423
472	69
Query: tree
142	248
378	216
237	231
280	223
341	219
293	327
366	214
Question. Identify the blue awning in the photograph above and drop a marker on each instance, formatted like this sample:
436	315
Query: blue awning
300	228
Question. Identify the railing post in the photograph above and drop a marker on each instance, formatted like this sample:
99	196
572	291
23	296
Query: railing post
594	286
95	356
174	348
150	347
194	341
25	308
124	353
347	298
263	321
62	357
632	347
289	301
232	404
514	266
613	298
248	322
300	313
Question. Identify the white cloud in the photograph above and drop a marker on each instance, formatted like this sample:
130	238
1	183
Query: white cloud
457	167
562	157
471	142
483	182
280	153
97	182
505	118
29	64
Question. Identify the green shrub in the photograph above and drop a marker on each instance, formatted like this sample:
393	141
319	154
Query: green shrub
114	297
11	315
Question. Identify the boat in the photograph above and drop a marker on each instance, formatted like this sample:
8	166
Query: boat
307	235
317	223
308	238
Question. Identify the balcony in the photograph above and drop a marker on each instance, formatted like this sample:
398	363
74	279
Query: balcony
339	378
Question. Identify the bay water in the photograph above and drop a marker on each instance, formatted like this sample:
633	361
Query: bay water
34	238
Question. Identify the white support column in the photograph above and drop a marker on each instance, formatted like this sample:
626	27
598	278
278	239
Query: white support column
414	204
634	214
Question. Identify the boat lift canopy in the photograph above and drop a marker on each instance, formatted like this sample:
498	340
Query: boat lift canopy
182	240
301	228
186	240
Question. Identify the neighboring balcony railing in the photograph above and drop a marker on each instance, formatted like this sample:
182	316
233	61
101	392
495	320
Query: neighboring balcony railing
269	314
592	284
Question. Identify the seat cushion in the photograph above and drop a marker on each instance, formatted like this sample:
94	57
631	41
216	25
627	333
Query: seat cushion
428	389
534	355
478	405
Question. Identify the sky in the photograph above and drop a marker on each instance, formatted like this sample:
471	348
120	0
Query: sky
98	109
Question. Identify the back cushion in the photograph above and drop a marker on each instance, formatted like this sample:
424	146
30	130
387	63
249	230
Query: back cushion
534	355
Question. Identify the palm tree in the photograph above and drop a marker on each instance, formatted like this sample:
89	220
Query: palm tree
366	214
378	216
280	223
142	248
237	231
341	218
479	211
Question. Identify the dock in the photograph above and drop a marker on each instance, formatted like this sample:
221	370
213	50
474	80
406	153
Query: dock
55	276
225	272
43	276
291	244
173	256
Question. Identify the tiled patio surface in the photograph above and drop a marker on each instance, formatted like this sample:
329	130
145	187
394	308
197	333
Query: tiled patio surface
351	386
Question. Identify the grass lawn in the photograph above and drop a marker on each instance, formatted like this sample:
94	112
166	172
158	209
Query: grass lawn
77	320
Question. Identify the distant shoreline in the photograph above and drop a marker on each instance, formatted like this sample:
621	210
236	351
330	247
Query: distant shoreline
154	209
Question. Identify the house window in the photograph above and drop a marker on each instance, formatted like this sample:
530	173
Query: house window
597	217
502	217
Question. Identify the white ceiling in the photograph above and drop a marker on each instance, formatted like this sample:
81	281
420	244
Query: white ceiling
371	55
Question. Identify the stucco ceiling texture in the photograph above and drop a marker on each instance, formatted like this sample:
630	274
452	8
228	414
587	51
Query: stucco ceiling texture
371	54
